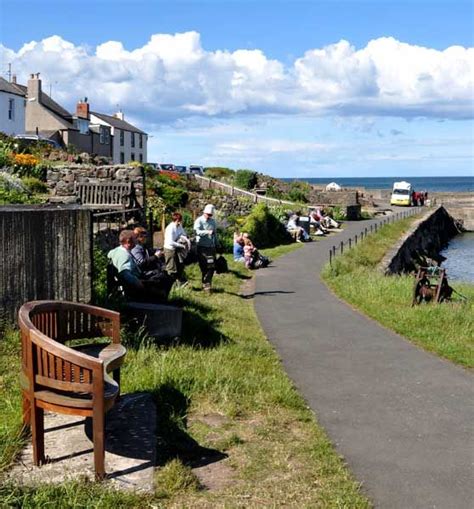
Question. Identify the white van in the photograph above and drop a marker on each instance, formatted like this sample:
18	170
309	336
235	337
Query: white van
401	193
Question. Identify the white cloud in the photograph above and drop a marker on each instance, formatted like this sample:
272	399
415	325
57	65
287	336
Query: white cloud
173	77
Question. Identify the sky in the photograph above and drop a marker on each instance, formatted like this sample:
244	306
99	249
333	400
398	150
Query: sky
290	88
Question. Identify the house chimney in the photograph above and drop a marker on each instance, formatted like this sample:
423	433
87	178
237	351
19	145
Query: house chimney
82	109
119	115
34	88
14	79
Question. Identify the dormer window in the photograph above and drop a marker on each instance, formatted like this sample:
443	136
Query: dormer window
82	125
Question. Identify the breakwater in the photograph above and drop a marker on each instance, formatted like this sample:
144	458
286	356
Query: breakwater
425	239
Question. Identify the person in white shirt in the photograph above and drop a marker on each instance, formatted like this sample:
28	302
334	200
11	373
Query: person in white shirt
174	265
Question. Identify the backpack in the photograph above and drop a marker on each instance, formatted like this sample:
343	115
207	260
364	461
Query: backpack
221	265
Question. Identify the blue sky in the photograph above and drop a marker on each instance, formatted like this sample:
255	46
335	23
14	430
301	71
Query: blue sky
289	88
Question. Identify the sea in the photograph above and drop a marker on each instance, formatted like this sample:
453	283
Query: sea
459	253
430	184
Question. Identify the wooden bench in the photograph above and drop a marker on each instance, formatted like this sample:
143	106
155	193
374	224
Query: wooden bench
70	379
107	195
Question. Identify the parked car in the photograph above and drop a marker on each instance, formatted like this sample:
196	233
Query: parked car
181	169
167	167
196	170
30	139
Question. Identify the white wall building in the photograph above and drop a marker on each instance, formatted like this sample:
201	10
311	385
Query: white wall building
129	142
12	108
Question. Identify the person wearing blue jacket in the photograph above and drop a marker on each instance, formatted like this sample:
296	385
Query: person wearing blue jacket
205	228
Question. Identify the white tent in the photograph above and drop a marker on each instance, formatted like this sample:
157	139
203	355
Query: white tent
333	187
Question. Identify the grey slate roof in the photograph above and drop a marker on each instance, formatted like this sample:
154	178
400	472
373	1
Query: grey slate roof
117	123
10	88
47	102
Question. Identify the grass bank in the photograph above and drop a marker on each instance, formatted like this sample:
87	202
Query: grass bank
444	329
220	390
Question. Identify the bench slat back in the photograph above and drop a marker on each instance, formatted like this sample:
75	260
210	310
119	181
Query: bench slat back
105	194
53	372
65	324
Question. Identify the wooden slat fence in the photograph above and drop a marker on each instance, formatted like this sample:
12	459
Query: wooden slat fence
45	253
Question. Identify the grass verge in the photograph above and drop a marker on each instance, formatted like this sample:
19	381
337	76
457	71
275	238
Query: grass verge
222	395
444	329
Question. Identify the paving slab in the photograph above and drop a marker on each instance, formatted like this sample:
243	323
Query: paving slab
130	447
401	417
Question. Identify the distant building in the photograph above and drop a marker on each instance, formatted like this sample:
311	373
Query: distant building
12	108
46	117
86	131
129	142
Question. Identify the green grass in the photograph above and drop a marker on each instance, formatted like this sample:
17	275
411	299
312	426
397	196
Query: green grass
444	329
221	392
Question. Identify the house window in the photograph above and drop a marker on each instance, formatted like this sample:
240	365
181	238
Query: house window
141	158
133	139
122	158
140	140
11	109
133	156
122	138
82	125
104	136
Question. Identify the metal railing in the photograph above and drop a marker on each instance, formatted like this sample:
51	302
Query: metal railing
372	228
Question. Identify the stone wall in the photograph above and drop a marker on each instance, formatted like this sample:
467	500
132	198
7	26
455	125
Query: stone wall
225	204
425	239
341	198
60	179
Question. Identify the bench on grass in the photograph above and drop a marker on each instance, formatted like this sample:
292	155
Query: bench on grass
160	321
65	367
107	195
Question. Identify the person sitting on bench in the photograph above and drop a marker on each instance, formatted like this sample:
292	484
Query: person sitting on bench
147	259
136	284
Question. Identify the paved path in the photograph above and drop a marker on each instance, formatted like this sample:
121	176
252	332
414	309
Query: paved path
402	418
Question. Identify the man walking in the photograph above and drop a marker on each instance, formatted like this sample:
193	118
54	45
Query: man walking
206	239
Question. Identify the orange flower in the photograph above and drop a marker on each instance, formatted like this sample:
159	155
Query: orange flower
25	160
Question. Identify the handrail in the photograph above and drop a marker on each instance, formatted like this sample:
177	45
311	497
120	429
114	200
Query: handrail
236	190
368	230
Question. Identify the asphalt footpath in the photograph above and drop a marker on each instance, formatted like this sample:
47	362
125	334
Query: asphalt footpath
402	418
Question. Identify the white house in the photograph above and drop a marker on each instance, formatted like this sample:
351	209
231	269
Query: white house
12	108
129	142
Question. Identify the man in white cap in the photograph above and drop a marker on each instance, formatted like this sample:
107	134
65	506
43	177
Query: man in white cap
206	239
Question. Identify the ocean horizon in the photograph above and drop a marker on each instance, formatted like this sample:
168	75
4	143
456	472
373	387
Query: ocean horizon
430	184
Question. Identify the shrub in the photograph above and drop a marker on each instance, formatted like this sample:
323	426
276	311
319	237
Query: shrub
12	190
299	192
34	185
174	197
6	157
245	179
264	228
219	173
99	276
